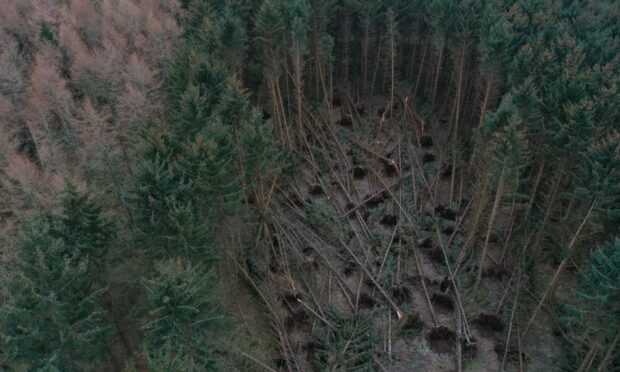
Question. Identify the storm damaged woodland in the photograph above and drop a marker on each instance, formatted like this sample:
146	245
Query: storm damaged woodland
309	185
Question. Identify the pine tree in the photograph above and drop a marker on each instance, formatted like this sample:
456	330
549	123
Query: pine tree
82	228
160	185
54	320
508	158
298	13
190	235
210	161
184	317
260	151
593	320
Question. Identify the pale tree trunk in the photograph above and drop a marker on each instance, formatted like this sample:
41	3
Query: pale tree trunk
487	94
549	207
496	203
298	86
456	115
609	354
392	67
365	46
560	269
437	72
417	82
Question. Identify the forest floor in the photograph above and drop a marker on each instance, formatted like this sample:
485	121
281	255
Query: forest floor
373	223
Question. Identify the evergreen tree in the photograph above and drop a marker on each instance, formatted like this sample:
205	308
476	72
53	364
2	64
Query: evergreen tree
184	318
260	151
160	185
210	160
593	320
298	13
54	320
508	158
81	227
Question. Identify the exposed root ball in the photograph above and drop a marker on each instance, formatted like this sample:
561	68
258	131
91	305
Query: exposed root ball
401	294
426	141
488	324
494	273
315	189
442	302
445	213
374	202
366	301
389	169
359	172
427	158
345	121
412	321
389	220
441	340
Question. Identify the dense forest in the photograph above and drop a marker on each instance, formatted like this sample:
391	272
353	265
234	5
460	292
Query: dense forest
309	185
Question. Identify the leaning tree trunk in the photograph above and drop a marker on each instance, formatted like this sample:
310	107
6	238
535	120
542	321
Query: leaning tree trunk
498	198
560	269
437	72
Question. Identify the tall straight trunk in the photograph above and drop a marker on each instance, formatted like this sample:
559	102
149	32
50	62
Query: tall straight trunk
487	95
377	62
560	269
530	204
498	198
417	82
365	46
437	72
549	207
298	86
414	51
482	202
323	84
278	108
456	115
317	56
345	71
392	66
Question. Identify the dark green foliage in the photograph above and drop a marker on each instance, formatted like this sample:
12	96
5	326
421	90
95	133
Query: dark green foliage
595	318
598	179
168	360
48	33
210	78
160	185
54	320
260	151
192	114
348	345
210	160
190	235
81	226
184	317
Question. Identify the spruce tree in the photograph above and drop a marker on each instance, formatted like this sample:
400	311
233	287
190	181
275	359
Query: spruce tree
53	321
594	319
210	161
184	318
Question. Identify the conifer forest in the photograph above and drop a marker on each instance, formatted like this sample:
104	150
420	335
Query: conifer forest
309	185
